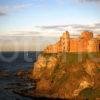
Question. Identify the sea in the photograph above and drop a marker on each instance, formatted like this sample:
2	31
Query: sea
12	62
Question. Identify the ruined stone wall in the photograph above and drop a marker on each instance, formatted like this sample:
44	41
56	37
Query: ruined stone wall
64	41
85	43
78	45
74	45
82	45
93	45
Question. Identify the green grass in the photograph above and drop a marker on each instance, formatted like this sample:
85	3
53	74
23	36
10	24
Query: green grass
90	93
98	69
73	58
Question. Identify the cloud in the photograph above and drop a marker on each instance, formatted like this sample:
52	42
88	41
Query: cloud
61	2
44	35
89	0
2	13
5	10
97	2
74	29
25	33
18	43
51	27
21	6
56	30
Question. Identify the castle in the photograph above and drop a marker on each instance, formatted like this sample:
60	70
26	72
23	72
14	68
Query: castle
86	42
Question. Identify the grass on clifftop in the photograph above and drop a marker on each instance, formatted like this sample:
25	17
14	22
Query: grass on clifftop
73	58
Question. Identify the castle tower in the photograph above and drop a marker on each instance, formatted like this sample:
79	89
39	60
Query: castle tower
65	42
83	44
86	35
93	45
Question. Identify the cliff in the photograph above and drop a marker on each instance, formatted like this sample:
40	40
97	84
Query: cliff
86	42
65	76
69	69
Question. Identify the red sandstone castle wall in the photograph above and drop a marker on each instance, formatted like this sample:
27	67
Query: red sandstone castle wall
73	45
85	43
82	45
78	45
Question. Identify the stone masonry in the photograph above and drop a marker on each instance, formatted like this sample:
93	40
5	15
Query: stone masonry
86	42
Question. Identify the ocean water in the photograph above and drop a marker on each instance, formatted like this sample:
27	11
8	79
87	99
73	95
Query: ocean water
13	62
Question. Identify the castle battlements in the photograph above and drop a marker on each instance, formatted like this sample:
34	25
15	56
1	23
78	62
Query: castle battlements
86	42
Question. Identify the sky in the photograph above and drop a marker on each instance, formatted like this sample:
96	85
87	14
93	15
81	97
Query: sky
33	24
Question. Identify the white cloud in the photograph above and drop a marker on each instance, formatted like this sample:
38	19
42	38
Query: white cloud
90	1
74	29
5	10
21	6
56	30
44	35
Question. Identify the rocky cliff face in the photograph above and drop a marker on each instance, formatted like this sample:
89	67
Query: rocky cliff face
64	76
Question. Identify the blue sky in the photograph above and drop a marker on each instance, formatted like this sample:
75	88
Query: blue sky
48	17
